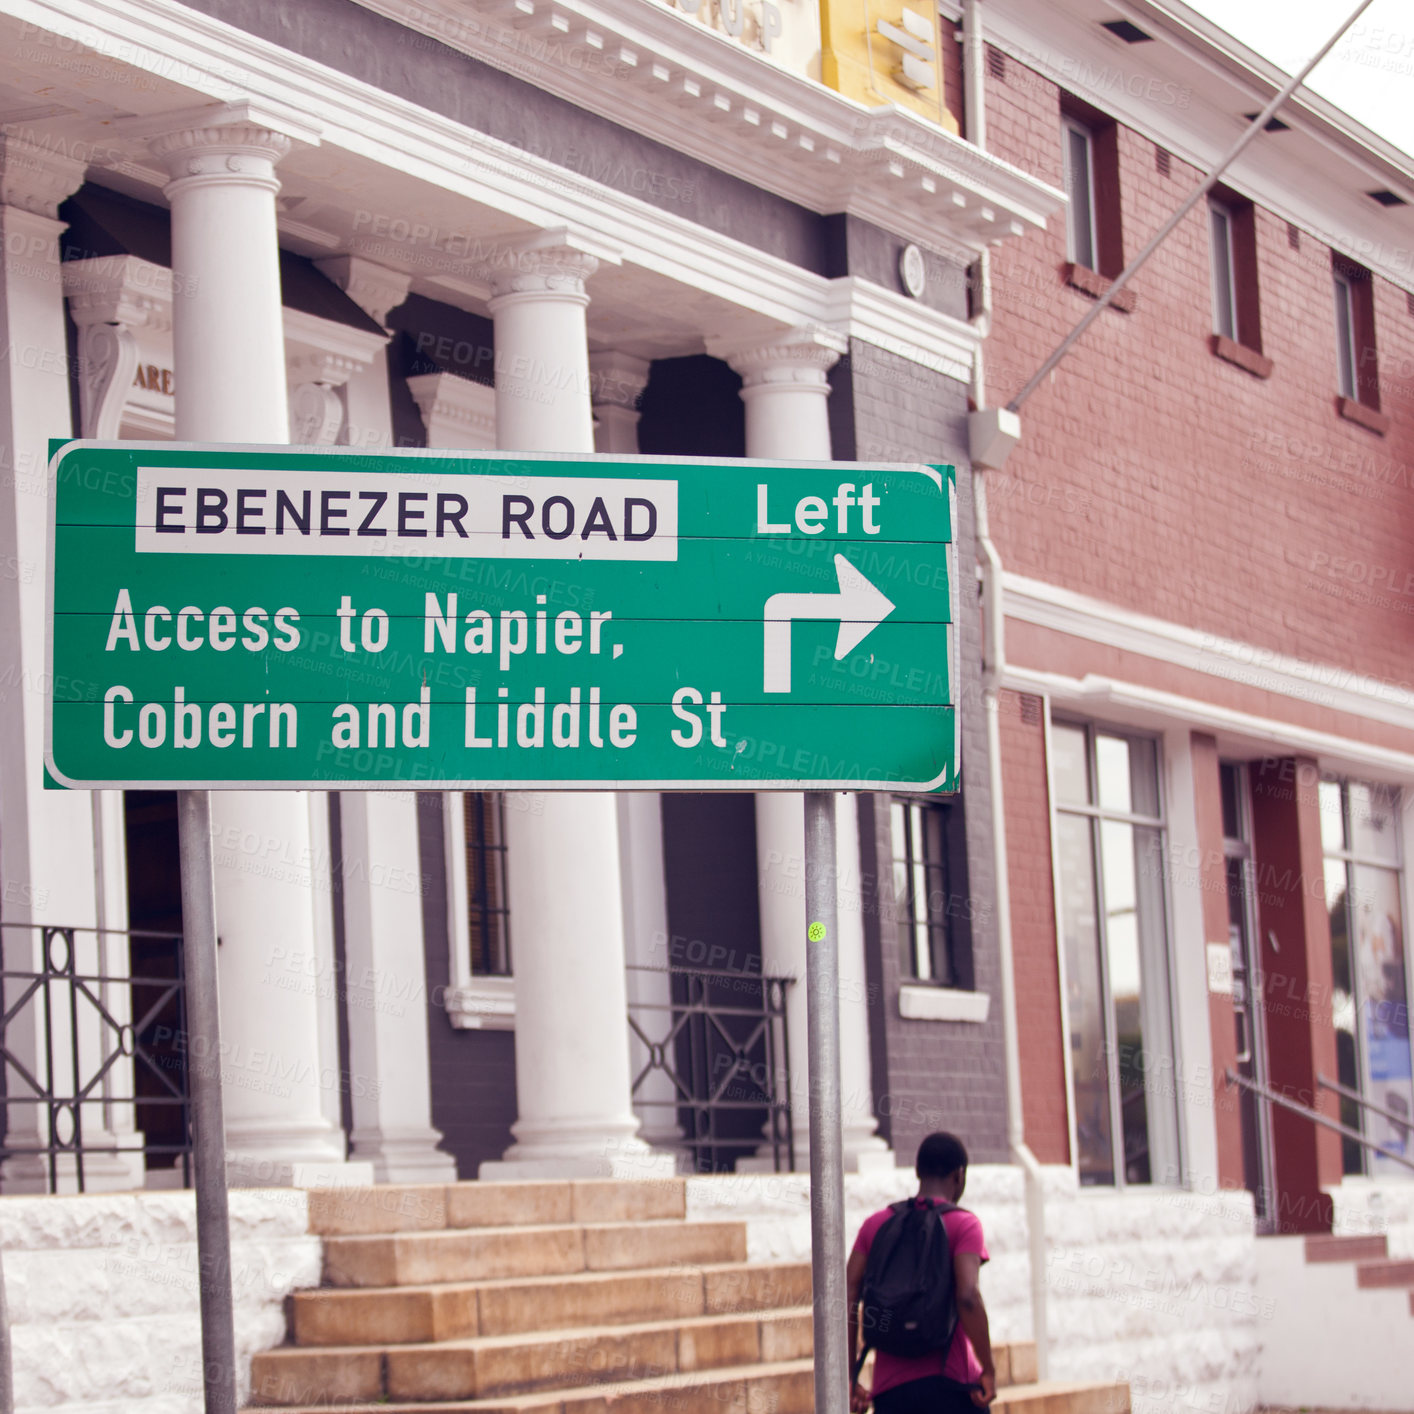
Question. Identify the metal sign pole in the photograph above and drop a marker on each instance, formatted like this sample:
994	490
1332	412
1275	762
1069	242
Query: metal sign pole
213	1223
822	981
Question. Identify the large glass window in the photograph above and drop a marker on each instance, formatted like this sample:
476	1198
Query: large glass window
918	832
1370	1000
1109	846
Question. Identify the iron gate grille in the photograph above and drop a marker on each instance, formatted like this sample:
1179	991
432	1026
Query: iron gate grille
92	1039
709	1052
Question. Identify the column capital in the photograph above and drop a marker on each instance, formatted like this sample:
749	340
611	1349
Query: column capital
374	288
616	379
35	177
801	356
550	264
237	143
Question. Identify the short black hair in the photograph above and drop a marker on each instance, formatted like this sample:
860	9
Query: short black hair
939	1155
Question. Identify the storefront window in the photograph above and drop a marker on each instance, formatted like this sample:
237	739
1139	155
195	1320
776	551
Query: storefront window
1109	843
1370	989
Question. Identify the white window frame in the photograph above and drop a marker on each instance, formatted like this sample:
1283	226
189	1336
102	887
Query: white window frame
1351	856
1224	301
1347	376
1176	1137
473	1002
1071	126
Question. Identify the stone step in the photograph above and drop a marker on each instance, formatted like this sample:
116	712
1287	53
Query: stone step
1064	1397
1388	1271
435	1257
1323	1247
523	1364
409	1207
753	1389
786	1388
409	1314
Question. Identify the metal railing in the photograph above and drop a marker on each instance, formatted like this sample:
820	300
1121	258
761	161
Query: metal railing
710	1051
91	1049
1275	1097
1356	1098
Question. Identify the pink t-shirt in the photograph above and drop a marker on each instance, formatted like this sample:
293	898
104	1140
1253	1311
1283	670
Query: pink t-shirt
964	1235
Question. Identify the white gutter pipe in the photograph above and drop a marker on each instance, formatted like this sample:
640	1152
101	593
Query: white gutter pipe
993	669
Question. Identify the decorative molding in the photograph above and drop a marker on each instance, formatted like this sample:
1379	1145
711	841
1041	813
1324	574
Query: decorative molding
616	379
455	411
108	357
943	1004
875	315
1337	689
36	178
374	288
316	415
555	264
804	356
484	1004
325	351
705	95
119	289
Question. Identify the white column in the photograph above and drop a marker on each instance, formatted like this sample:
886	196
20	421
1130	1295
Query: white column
562	850
616	383
47	850
785	387
385	976
229	354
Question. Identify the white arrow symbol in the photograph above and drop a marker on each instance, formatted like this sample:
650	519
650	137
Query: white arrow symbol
859	607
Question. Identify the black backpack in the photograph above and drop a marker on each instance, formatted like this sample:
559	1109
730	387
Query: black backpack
908	1306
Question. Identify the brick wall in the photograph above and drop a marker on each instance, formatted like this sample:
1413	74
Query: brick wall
935	1075
1033	927
1176	483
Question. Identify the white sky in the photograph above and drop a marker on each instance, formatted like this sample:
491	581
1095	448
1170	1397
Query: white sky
1370	74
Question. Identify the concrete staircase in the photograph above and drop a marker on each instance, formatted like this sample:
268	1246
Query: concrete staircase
1339	1331
562	1298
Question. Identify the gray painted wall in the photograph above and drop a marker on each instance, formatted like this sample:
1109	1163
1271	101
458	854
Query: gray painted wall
929	1074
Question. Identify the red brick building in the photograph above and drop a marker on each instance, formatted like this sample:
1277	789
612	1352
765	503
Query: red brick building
1208	721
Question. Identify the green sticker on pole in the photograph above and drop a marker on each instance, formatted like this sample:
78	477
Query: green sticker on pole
271	617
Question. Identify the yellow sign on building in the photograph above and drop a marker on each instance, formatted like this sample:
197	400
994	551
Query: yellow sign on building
886	51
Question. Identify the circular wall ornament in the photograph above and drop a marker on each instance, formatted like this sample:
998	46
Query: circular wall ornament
912	271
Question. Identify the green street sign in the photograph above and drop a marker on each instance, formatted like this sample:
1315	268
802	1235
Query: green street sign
276	617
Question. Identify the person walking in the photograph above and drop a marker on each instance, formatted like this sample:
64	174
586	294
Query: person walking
923	1311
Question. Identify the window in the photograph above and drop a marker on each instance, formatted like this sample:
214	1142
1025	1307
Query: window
1357	370
1224	271
918	833
1345	335
481	990
1232	247
1109	850
1080	188
1370	996
487	916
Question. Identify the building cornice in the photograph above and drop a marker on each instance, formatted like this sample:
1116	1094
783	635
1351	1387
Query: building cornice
707	96
1323	684
1188	91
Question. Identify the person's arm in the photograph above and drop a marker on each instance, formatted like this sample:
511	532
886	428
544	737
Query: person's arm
972	1316
854	1280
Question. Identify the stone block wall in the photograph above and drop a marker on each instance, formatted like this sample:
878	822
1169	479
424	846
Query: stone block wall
103	1298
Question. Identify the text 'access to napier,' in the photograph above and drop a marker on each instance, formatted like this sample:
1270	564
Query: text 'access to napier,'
283	617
